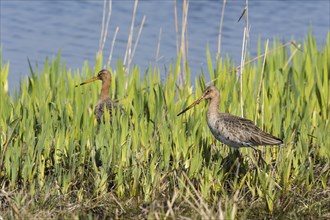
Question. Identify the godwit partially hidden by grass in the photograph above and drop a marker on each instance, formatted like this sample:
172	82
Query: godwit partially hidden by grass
234	131
104	100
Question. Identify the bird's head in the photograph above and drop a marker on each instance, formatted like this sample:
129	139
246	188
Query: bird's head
209	93
103	75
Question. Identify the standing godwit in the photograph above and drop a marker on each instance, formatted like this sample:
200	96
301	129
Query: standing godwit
234	131
104	100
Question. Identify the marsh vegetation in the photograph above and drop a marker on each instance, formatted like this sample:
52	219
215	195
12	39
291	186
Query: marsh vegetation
57	161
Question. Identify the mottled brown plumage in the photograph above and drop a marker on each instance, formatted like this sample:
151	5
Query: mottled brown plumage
104	100
232	130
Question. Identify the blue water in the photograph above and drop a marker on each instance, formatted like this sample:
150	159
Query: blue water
39	29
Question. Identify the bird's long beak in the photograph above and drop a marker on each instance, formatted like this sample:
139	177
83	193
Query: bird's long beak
88	81
192	105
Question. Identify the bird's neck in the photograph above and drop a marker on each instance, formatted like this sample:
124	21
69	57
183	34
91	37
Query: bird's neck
105	89
213	106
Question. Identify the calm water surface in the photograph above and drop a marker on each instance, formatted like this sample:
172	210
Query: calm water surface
39	29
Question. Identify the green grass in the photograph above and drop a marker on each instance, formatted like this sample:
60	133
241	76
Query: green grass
150	163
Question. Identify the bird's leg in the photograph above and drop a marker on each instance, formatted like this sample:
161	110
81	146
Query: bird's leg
238	154
260	156
231	158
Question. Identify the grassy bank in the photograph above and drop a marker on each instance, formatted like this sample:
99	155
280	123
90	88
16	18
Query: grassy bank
56	162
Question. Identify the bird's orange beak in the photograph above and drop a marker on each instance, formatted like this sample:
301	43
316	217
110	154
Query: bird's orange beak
88	81
192	105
